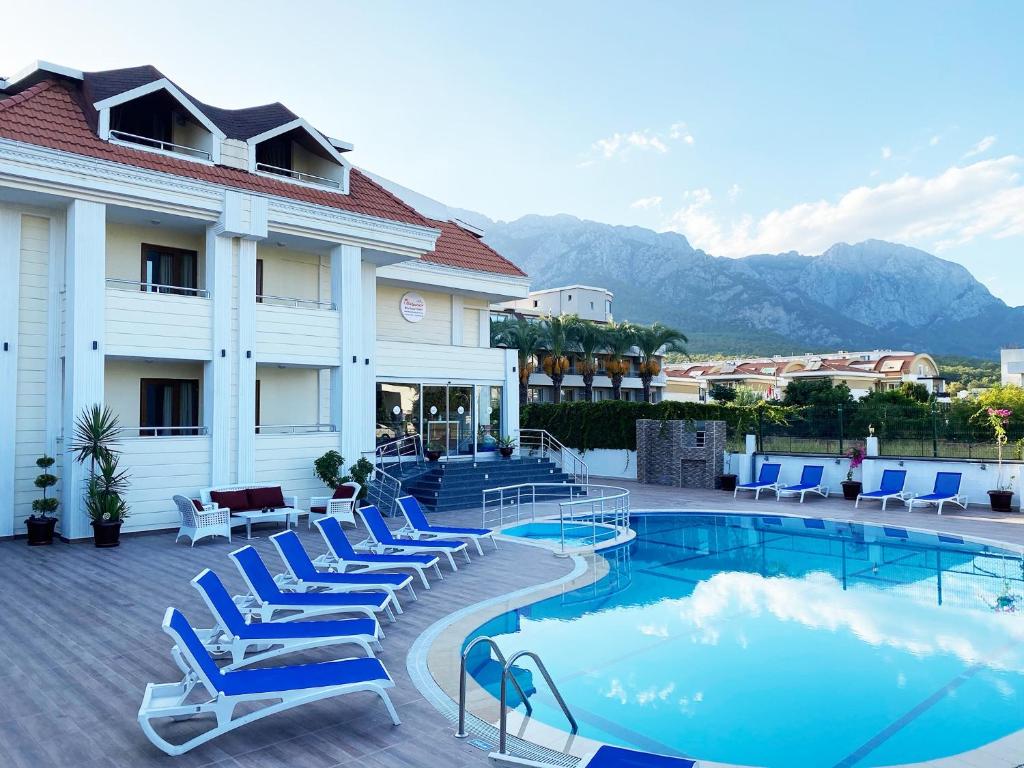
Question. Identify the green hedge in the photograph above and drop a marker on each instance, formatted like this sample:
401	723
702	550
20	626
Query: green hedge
612	423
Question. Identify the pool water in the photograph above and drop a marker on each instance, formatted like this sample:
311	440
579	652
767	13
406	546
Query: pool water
576	533
783	642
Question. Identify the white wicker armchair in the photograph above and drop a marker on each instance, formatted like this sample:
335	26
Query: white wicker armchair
327	506
212	521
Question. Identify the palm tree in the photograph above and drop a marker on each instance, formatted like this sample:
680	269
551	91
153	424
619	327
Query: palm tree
619	340
522	335
556	342
652	341
587	337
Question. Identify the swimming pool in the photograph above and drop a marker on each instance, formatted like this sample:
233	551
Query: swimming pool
783	642
576	533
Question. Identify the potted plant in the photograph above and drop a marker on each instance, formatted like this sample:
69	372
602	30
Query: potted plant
852	488
329	469
727	480
507	446
434	450
1001	497
96	434
40	527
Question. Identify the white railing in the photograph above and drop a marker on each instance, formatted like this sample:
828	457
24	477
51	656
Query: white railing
164	431
291	301
294	429
308	178
138	285
541	442
588	506
407	450
166	146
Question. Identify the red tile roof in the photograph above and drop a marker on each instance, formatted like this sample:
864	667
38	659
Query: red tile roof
49	115
456	247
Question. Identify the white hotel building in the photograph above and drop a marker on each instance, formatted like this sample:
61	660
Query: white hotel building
232	287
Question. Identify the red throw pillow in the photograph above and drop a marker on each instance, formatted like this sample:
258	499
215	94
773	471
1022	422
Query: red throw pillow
260	498
236	501
344	492
198	505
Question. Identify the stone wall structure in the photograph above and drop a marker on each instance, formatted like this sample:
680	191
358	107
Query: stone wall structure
684	454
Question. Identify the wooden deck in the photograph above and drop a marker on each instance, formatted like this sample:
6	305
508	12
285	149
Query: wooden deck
80	637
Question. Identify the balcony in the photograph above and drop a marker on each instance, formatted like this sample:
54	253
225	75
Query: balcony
158	321
162	146
305	178
297	331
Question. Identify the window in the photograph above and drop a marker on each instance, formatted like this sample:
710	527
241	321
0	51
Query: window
168	407
257	422
169	270
535	303
275	155
259	284
569	298
591	305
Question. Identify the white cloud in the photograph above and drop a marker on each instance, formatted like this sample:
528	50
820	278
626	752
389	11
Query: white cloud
982	146
886	153
982	199
734	192
647	202
680	132
934	141
619	144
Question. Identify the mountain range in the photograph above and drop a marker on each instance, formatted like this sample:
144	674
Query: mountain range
873	294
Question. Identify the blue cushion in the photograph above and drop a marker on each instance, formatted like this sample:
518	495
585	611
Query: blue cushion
325	600
375	523
342	547
893	480
297	630
946	484
458	531
272	679
360	579
811	475
616	757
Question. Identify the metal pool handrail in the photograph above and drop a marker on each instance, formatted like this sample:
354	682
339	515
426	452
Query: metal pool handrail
505	674
461	733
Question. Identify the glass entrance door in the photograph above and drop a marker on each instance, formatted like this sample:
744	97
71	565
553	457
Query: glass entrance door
461	421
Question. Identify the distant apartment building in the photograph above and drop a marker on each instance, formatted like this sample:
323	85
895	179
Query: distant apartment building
588	303
1011	366
862	372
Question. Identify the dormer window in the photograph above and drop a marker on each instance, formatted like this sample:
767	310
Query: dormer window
160	118
298	153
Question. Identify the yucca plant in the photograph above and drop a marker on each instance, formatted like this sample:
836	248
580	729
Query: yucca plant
104	500
588	338
556	342
525	337
97	433
619	341
651	341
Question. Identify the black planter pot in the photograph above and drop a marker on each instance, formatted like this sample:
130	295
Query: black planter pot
40	530
106	534
1000	500
506	453
432	455
727	482
852	489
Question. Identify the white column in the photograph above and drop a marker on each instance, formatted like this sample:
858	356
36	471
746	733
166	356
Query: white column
246	360
10	254
217	378
85	296
354	287
510	396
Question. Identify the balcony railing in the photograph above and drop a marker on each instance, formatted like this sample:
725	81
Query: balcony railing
307	178
165	431
294	429
290	301
166	146
138	285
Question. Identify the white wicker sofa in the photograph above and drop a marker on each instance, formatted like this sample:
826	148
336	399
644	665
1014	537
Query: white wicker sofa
215	495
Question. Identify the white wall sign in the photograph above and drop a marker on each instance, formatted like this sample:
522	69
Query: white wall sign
413	307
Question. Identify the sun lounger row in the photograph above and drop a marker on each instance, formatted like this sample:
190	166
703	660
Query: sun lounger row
945	490
355	584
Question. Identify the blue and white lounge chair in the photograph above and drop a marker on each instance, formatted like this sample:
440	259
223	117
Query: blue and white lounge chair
810	482
767	480
891	487
383	540
234	635
266	599
285	687
418	526
341	556
302	575
618	757
946	489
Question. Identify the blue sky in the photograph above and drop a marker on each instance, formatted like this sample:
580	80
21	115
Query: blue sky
749	127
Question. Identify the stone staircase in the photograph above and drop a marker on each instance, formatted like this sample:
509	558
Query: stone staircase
450	485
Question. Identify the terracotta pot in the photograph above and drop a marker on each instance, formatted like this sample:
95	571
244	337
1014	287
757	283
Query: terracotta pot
506	452
1001	501
728	482
106	534
40	530
852	489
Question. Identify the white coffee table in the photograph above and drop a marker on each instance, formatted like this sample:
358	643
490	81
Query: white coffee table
287	515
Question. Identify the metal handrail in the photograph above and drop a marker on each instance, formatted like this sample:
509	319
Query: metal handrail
119	284
292	301
298	175
398	451
550	446
460	733
505	673
166	146
187	431
294	429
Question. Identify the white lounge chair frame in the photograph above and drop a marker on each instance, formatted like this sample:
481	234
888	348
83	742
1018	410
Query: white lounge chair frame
330	559
167	700
212	521
413	532
959	499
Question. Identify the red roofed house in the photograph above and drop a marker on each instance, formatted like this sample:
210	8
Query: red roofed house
240	295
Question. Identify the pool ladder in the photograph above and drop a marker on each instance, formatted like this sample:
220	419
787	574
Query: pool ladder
506	675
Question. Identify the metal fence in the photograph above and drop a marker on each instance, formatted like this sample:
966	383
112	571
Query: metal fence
930	430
